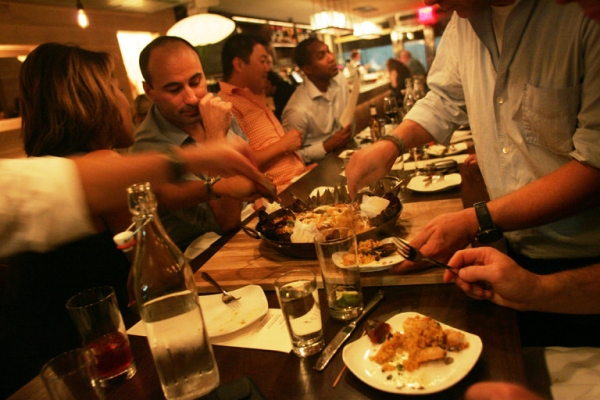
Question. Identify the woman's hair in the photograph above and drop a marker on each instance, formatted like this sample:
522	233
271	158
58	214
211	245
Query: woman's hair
68	101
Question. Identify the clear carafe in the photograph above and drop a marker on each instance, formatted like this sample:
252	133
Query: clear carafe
168	303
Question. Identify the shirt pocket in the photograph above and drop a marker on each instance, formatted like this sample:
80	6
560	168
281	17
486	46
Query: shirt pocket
550	117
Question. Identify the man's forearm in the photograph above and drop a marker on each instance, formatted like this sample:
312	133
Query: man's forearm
412	133
574	291
268	154
568	190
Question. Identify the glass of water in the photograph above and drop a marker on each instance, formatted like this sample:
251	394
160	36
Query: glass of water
299	300
338	260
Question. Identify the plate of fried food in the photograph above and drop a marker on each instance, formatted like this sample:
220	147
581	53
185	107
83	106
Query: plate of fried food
373	256
412	354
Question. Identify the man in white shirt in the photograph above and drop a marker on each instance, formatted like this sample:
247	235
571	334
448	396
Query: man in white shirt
534	112
318	103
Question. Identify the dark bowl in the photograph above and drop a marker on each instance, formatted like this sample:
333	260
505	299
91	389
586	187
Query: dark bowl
307	251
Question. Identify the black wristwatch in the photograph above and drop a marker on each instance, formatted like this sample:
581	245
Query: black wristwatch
488	232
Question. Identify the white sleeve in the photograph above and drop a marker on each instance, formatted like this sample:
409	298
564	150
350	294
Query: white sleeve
42	205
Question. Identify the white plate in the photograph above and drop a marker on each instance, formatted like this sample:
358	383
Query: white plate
347	153
418	183
405	158
434	376
222	319
437	150
381	265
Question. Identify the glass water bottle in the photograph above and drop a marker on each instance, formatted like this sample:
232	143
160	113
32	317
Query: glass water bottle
168	303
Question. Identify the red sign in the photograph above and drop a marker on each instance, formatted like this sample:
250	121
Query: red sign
426	15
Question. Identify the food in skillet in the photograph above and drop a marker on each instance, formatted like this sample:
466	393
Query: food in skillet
300	223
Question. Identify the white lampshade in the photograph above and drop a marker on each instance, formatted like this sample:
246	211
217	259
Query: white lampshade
367	30
203	29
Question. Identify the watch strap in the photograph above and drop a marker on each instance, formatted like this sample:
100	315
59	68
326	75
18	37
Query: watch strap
208	184
483	216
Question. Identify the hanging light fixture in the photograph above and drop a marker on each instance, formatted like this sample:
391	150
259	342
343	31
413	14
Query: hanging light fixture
367	30
332	19
82	18
203	29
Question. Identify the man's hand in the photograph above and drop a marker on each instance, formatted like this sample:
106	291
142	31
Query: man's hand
511	285
226	158
291	141
369	164
237	187
216	116
499	391
442	237
338	140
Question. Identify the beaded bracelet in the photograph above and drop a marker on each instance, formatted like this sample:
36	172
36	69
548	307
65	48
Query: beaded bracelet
398	142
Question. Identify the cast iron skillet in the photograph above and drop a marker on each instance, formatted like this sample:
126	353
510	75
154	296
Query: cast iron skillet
307	250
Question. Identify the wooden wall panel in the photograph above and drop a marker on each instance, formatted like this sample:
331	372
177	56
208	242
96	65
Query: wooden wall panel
35	24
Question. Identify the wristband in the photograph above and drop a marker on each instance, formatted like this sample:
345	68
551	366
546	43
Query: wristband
208	184
176	163
398	142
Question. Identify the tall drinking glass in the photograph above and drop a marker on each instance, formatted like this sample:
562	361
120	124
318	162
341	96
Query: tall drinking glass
100	325
299	300
341	277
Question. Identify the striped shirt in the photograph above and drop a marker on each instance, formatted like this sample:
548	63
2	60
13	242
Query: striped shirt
263	129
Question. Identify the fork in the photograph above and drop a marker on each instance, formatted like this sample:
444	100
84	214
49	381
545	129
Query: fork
226	298
412	254
433	178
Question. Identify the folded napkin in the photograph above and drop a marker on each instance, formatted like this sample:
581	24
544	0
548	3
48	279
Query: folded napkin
574	372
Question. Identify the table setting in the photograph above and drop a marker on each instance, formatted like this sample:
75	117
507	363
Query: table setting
254	345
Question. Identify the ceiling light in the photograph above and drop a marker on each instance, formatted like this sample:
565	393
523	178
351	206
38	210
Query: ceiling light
250	20
203	29
330	22
367	30
82	18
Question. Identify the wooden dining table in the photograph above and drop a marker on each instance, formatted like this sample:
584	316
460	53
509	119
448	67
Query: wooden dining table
236	260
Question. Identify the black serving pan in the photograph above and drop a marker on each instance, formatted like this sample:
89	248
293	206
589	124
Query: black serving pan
307	250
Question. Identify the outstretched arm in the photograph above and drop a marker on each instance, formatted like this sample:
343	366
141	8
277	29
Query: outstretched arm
572	291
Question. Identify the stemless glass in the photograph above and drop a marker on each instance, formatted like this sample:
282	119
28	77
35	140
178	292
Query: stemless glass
299	300
341	279
100	325
72	376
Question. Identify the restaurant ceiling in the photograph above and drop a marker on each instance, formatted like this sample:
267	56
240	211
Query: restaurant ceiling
281	10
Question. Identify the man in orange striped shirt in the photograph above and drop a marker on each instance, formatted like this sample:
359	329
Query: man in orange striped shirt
245	68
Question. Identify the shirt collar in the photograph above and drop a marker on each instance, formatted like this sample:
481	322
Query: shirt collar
170	131
313	92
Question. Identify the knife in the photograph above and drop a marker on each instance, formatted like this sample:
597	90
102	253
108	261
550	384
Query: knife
345	333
